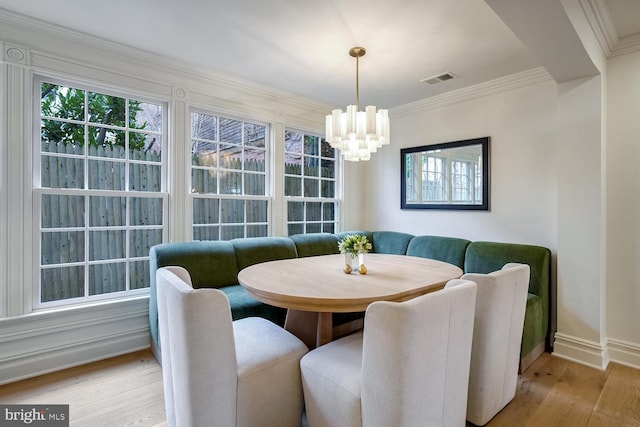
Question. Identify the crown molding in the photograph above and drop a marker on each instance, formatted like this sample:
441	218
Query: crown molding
627	45
601	22
492	87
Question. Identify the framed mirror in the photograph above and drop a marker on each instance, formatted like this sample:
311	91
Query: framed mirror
451	175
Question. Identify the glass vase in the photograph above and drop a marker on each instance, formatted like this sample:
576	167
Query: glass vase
348	263
362	269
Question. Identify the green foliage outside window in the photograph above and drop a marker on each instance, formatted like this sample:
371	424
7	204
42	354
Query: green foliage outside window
68	104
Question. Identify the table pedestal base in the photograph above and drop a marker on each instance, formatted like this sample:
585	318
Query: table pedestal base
314	329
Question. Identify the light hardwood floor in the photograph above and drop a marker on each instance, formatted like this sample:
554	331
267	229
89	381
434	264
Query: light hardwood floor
127	391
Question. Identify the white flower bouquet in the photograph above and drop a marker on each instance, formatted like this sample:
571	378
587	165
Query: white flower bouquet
354	244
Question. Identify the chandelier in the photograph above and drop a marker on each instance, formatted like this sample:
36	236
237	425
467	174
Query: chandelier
356	133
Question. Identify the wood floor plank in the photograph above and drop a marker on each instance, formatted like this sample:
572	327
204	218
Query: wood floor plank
88	393
600	420
127	391
533	387
620	398
145	407
572	399
73	376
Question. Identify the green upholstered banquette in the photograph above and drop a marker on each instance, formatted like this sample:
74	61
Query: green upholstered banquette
216	265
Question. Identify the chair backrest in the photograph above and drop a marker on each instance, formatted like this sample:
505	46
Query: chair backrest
486	257
211	264
495	355
198	351
415	362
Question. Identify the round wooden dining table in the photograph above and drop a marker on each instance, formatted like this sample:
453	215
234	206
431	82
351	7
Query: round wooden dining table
313	288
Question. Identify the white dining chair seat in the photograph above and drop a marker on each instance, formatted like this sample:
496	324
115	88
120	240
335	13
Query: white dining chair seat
218	372
410	366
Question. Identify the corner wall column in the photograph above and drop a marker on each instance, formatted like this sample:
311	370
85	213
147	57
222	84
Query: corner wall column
16	195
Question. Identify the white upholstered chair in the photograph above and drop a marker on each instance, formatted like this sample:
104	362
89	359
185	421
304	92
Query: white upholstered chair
410	366
219	372
495	354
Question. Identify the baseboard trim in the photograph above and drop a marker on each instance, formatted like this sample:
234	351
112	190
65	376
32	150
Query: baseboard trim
57	359
50	341
581	351
624	353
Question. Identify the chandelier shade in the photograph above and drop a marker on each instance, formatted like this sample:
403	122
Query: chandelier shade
355	133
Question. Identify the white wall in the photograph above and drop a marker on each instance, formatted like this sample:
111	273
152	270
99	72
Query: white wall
580	261
520	123
623	201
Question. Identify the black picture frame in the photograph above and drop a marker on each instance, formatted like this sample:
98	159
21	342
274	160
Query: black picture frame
441	149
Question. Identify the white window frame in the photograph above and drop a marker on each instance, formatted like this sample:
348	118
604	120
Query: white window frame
267	197
39	192
426	171
467	179
336	199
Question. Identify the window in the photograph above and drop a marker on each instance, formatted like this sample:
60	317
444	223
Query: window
100	200
433	178
461	181
228	177
310	184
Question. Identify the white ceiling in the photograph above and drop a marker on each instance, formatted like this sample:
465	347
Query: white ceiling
301	46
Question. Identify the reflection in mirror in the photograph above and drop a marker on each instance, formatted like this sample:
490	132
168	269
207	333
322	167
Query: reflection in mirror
452	175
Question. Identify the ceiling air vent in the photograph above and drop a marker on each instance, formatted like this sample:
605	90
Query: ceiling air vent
439	78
